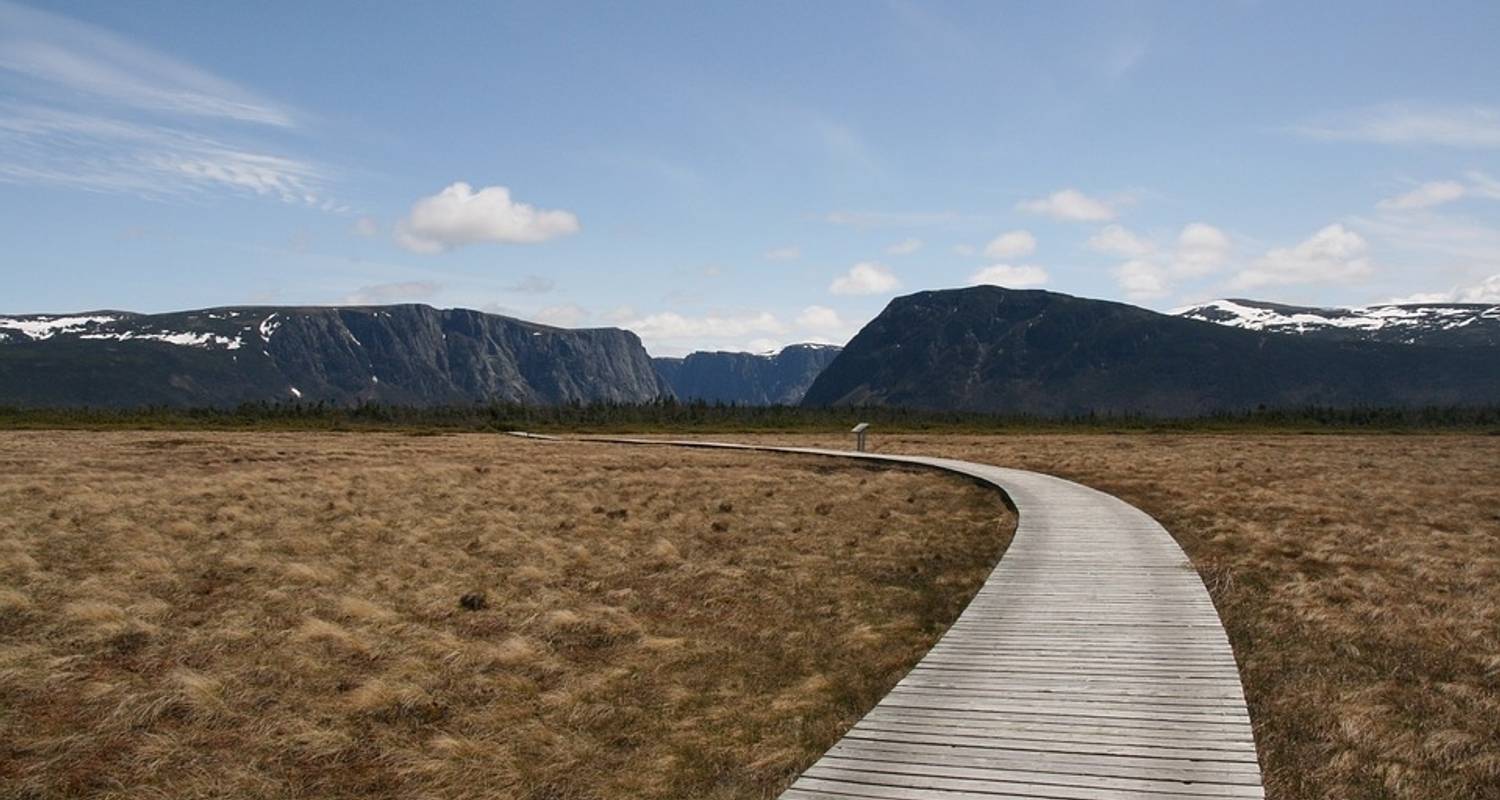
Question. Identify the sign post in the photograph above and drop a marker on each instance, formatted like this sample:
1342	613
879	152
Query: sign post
859	435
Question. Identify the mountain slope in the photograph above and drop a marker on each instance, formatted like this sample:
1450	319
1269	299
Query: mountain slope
405	354
991	349
1433	324
779	378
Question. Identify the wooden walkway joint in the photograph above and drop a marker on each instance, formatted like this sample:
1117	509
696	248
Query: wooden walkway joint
1091	664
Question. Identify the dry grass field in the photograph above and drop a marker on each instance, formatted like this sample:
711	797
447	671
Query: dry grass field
260	615
279	614
1358	577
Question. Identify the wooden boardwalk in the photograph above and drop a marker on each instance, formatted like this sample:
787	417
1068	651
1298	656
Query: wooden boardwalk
1091	664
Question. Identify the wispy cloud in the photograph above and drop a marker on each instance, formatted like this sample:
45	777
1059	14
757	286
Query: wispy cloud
532	284
1011	244
1071	205
1427	195
1473	126
82	58
1122	56
91	110
905	247
895	219
96	153
383	293
1010	276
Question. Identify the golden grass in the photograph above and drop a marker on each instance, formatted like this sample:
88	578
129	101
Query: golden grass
1358	578
377	615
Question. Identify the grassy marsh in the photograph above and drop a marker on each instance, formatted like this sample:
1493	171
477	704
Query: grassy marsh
382	615
1358	578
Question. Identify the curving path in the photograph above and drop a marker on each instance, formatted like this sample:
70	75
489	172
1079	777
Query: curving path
1091	664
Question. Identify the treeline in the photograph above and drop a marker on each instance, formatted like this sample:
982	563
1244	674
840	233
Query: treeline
671	415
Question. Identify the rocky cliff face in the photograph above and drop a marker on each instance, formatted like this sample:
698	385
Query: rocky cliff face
998	350
406	354
779	378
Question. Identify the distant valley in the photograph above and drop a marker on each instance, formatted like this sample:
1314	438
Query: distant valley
757	379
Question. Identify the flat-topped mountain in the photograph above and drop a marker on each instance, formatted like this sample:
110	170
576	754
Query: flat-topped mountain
400	354
1434	324
755	379
991	349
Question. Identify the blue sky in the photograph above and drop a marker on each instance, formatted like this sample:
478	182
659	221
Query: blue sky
740	176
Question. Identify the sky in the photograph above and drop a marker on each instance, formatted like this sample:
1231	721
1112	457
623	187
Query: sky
744	175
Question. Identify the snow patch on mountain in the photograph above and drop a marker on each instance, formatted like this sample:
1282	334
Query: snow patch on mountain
41	327
268	326
1388	322
181	339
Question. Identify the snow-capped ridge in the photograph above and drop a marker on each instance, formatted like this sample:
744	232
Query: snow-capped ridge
1404	323
39	326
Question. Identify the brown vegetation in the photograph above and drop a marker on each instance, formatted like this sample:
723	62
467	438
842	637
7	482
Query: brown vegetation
1358	577
380	615
263	614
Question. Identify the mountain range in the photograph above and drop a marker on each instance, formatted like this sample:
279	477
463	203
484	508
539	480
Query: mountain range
401	354
986	348
1437	324
981	348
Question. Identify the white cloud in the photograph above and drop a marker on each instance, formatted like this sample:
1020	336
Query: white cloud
459	216
385	293
671	325
820	318
1013	277
866	277
1486	291
1116	240
366	226
788	253
1427	195
671	333
566	315
532	284
1149	270
1201	249
1334	254
674	333
1459	126
905	247
1142	280
1070	204
1011	244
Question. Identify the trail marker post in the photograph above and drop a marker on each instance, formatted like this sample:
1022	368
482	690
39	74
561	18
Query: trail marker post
859	435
